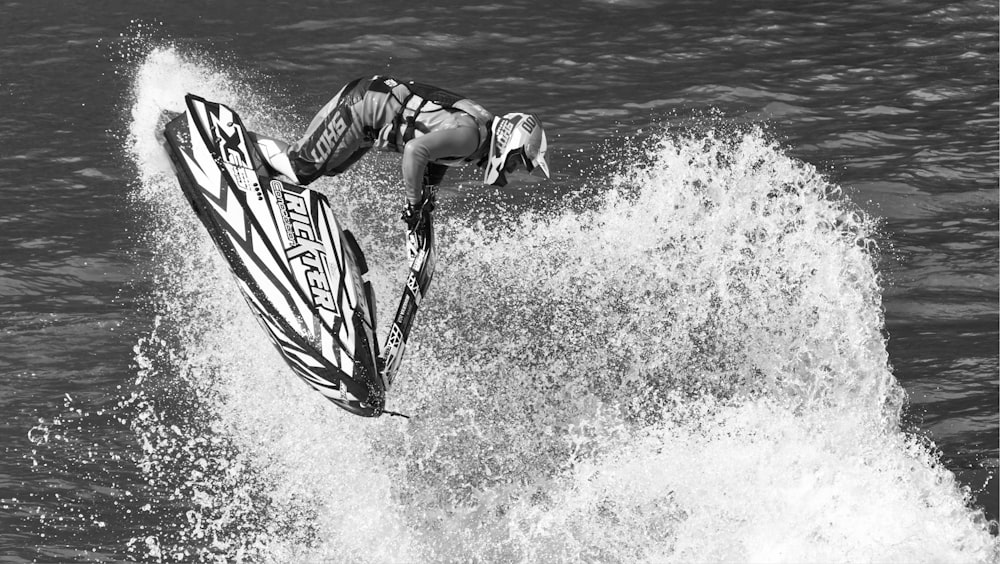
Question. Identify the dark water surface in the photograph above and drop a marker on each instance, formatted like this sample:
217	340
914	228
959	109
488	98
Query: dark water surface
896	103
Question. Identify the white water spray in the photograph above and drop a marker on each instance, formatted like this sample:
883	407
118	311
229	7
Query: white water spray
691	371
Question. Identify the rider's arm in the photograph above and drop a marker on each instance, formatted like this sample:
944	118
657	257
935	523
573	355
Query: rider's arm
441	144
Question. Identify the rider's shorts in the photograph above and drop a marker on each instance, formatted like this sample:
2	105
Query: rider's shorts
339	135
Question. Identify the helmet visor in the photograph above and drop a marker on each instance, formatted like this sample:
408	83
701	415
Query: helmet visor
534	157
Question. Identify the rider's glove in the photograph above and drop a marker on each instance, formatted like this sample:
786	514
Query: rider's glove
411	215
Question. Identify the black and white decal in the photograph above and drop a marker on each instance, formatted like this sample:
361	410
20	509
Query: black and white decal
423	259
299	270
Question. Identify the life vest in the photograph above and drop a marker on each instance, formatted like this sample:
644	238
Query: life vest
416	106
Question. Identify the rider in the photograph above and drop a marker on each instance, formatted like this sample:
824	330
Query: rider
433	129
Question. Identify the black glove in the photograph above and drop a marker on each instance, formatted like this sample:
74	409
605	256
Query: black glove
411	215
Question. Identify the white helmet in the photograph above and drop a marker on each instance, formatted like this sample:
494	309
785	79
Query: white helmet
516	138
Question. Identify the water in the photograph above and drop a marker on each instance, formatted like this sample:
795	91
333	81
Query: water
752	318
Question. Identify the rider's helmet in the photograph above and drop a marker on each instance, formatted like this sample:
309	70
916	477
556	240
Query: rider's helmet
515	138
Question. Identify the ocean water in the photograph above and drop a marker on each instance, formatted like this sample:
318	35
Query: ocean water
752	318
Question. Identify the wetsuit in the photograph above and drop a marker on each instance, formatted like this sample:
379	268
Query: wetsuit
433	128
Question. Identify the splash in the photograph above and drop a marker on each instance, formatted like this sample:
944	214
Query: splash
693	370
689	369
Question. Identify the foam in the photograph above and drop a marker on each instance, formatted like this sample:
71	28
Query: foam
689	367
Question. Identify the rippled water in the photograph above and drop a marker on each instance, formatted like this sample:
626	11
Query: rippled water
679	349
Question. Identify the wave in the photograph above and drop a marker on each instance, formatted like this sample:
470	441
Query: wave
684	362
